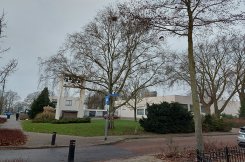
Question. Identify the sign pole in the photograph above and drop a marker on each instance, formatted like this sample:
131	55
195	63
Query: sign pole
106	122
107	103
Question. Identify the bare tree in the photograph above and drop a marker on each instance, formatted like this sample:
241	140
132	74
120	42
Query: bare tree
132	85
30	98
215	65
19	106
110	50
10	67
137	97
238	59
10	98
184	18
95	101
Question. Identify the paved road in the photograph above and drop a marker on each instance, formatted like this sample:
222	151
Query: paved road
122	150
89	149
157	145
89	154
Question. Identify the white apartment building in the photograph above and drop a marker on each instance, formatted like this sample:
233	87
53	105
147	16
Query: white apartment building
127	112
67	107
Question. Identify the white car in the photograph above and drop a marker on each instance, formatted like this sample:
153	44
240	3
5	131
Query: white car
241	137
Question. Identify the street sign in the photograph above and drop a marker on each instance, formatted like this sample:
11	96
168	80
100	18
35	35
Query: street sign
107	100
114	94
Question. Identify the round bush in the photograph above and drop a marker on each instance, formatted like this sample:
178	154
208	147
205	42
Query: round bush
167	118
44	117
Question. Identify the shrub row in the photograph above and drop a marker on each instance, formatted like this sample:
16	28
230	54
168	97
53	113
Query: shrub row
49	117
236	122
173	118
213	123
68	121
2	120
12	137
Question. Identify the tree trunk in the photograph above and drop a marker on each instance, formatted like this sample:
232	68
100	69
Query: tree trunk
241	97
111	123
195	99
242	104
135	109
135	118
216	108
111	114
207	109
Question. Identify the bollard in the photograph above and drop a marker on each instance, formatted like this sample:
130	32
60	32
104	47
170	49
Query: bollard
71	151
53	138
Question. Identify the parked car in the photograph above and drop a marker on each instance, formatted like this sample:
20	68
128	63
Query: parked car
241	137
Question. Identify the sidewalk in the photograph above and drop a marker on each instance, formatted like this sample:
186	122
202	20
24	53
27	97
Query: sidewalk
43	140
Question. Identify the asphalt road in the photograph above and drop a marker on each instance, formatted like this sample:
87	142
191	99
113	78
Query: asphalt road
158	145
89	154
122	150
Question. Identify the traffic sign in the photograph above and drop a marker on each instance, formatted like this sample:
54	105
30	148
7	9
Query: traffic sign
114	94
107	100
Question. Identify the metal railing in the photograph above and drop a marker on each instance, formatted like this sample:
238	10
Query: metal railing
228	154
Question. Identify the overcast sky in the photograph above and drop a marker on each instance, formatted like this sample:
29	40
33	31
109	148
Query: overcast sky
37	28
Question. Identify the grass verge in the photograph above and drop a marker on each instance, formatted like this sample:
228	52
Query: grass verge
95	128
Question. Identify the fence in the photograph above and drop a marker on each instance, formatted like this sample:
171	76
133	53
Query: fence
228	154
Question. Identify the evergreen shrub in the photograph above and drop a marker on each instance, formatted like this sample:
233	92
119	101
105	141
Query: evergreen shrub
167	118
213	123
38	104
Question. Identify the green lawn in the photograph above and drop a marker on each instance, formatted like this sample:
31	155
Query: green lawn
95	128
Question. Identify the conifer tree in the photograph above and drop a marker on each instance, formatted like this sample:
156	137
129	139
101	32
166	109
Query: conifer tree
38	104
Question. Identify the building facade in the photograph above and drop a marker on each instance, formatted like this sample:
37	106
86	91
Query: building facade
69	107
186	101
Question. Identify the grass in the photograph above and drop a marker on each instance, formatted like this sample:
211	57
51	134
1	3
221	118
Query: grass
95	128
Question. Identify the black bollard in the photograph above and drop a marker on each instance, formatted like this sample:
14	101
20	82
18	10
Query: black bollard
71	151
53	138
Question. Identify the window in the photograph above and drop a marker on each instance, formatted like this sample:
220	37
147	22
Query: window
68	103
191	108
203	109
54	101
140	111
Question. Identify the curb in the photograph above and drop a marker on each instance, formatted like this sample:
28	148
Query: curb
115	141
30	147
